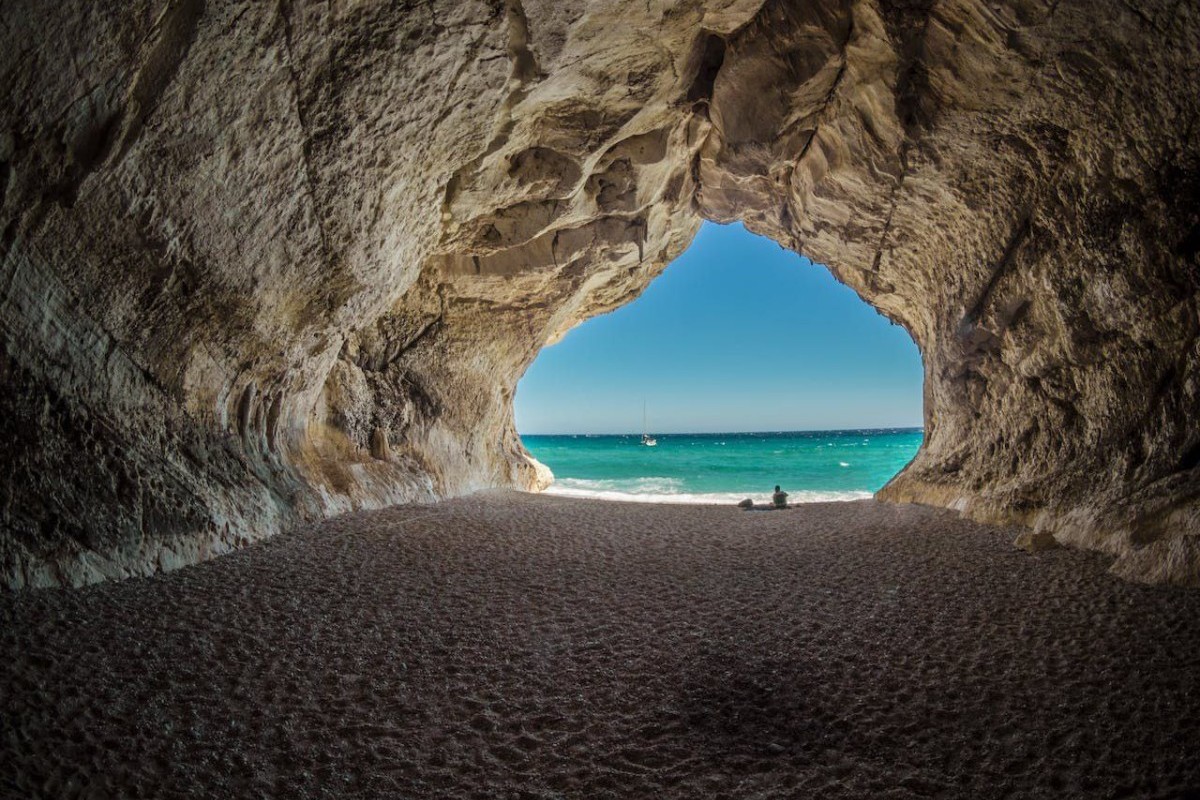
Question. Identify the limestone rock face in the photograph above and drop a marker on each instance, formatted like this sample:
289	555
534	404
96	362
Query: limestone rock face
266	262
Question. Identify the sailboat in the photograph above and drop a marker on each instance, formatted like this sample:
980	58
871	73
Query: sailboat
647	439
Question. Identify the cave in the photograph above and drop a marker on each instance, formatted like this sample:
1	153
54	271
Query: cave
264	264
270	273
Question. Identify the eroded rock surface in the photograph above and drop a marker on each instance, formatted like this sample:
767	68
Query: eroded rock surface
264	262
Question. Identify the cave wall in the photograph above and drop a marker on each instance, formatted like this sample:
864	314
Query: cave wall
261	263
1016	185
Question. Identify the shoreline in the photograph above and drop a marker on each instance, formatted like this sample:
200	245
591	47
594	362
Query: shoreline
796	498
812	466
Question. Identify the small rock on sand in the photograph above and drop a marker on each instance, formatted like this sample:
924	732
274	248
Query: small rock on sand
1036	541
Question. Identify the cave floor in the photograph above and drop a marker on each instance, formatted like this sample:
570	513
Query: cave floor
520	646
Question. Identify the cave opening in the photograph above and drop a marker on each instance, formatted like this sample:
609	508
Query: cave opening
742	366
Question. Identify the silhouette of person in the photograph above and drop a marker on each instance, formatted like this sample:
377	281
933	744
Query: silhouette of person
779	498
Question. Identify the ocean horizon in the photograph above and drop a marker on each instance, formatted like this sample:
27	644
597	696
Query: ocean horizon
720	468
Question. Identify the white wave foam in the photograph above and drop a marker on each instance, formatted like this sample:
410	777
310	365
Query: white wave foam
650	484
562	489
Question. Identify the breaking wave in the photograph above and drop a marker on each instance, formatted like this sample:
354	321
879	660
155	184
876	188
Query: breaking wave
669	490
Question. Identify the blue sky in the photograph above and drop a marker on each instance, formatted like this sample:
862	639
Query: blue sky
737	334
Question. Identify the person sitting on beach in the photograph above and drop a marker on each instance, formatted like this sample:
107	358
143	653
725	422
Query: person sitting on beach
779	498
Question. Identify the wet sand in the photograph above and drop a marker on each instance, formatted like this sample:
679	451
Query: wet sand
516	646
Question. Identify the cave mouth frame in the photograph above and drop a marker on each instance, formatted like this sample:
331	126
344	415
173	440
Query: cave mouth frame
737	337
186	373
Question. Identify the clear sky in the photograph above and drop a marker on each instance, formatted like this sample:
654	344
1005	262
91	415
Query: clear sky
738	334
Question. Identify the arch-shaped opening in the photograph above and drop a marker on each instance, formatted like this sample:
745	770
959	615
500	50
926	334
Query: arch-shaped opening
760	368
309	284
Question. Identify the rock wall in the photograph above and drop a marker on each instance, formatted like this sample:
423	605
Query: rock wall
266	262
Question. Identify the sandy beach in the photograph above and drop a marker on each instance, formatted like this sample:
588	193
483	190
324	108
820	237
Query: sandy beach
521	646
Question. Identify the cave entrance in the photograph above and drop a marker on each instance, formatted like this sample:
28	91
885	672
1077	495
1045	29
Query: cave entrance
753	367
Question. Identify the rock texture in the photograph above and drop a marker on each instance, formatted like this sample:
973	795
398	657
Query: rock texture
264	262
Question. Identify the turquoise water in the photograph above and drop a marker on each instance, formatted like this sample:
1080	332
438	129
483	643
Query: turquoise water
811	466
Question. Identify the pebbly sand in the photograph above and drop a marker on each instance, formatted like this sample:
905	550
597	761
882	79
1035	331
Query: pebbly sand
517	646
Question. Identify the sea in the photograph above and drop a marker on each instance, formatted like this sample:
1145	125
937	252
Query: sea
811	466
